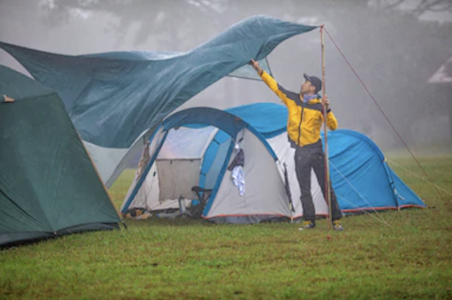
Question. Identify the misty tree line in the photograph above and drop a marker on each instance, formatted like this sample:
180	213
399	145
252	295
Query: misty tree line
394	52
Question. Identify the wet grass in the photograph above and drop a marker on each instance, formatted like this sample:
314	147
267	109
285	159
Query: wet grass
186	259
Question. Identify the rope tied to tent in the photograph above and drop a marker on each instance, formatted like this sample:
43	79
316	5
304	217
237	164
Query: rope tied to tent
381	110
380	218
418	176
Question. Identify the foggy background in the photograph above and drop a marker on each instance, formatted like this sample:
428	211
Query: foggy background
396	47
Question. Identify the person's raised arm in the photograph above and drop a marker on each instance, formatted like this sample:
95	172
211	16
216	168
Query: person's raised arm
271	82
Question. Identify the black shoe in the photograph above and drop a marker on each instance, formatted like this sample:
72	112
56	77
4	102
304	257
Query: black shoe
307	225
337	225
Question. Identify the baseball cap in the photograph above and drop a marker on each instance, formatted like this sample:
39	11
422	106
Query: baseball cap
315	81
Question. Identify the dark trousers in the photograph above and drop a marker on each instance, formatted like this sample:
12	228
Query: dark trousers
305	159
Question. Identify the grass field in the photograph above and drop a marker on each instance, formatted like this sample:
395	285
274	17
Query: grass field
186	259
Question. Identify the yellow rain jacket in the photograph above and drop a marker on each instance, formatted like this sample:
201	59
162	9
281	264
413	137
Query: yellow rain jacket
305	119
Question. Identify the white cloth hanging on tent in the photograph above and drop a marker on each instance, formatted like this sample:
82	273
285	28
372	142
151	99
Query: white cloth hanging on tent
238	176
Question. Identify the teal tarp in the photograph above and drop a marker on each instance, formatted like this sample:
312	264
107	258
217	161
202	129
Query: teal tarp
112	98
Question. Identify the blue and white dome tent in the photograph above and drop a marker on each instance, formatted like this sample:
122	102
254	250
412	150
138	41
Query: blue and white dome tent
194	147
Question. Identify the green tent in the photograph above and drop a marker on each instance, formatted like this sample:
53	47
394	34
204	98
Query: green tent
48	185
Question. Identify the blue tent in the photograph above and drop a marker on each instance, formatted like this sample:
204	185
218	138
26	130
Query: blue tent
360	175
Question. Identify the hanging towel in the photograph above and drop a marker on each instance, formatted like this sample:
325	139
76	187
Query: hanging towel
236	166
238	178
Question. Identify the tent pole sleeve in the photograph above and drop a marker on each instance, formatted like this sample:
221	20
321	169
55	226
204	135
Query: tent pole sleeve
144	174
221	175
